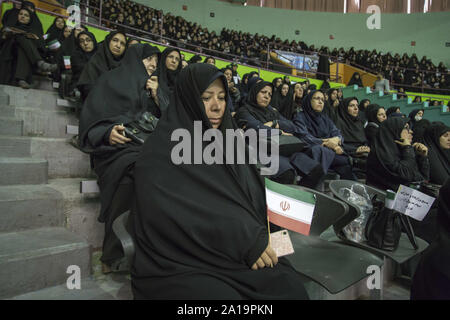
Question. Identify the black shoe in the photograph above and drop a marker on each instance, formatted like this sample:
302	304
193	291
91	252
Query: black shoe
46	67
23	84
314	178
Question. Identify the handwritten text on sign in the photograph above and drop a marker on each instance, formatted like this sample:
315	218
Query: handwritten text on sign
412	203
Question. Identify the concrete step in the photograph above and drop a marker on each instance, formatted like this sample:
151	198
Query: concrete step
30	206
64	160
39	99
35	259
41	123
16	171
11	126
80	210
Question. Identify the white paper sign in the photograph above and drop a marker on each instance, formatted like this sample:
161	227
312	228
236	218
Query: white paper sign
412	203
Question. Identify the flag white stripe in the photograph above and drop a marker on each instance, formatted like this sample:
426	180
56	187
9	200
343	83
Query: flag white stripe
299	210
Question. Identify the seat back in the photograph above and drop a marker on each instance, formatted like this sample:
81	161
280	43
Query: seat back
354	211
326	212
120	230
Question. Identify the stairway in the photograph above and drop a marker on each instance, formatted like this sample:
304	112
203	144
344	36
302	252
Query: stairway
406	106
46	224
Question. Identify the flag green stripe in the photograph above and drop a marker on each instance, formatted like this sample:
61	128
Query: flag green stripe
297	194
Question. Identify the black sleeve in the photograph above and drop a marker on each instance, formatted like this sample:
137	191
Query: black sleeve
408	167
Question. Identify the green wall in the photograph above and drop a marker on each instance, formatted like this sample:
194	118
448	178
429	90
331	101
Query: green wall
430	31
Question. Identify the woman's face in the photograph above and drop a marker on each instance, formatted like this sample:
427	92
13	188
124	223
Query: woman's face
317	101
77	31
210	61
117	45
406	134
334	95
214	101
278	83
444	140
365	105
381	115
67	32
59	23
298	90
86	43
150	64
24	17
229	75
284	90
173	60
419	114
353	108
264	96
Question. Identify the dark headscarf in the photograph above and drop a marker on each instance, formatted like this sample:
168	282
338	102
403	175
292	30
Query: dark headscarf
387	150
166	78
24	27
391	111
354	81
251	105
284	104
54	33
372	112
412	116
419	130
36	25
318	123
363	111
199	219
102	61
439	157
80	58
352	128
195	59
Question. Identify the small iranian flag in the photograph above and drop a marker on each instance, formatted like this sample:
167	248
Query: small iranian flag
54	44
67	64
289	208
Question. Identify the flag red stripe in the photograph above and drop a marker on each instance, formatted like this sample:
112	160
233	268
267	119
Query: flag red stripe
288	223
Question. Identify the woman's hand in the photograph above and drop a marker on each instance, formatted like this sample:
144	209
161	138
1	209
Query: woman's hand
286	134
267	259
404	142
117	136
363	149
421	149
152	85
339	150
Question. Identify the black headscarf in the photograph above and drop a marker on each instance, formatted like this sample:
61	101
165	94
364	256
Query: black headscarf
80	58
166	78
419	130
391	111
352	128
372	112
412	116
36	25
354	81
54	33
439	157
195	220
328	109
318	123
284	104
102	61
24	27
119	97
259	113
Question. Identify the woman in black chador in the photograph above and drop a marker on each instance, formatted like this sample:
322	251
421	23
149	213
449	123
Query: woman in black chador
201	230
19	54
119	98
437	139
86	48
108	57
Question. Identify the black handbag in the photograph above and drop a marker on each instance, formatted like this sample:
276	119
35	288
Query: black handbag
140	130
288	145
384	227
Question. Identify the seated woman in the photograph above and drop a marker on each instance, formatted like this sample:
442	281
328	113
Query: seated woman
298	99
119	98
108	57
332	105
363	110
415	117
234	92
168	70
356	79
201	230
352	128
323	138
394	160
86	48
431	280
437	139
257	114
19	52
283	99
55	33
375	116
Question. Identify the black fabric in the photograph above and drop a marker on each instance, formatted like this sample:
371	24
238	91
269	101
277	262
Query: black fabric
119	97
201	224
284	104
412	115
80	58
352	128
36	25
166	78
102	61
390	164
439	157
54	33
318	123
329	109
391	111
373	124
419	130
432	278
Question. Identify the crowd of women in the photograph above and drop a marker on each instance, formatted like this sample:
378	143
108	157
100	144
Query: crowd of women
135	97
403	71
